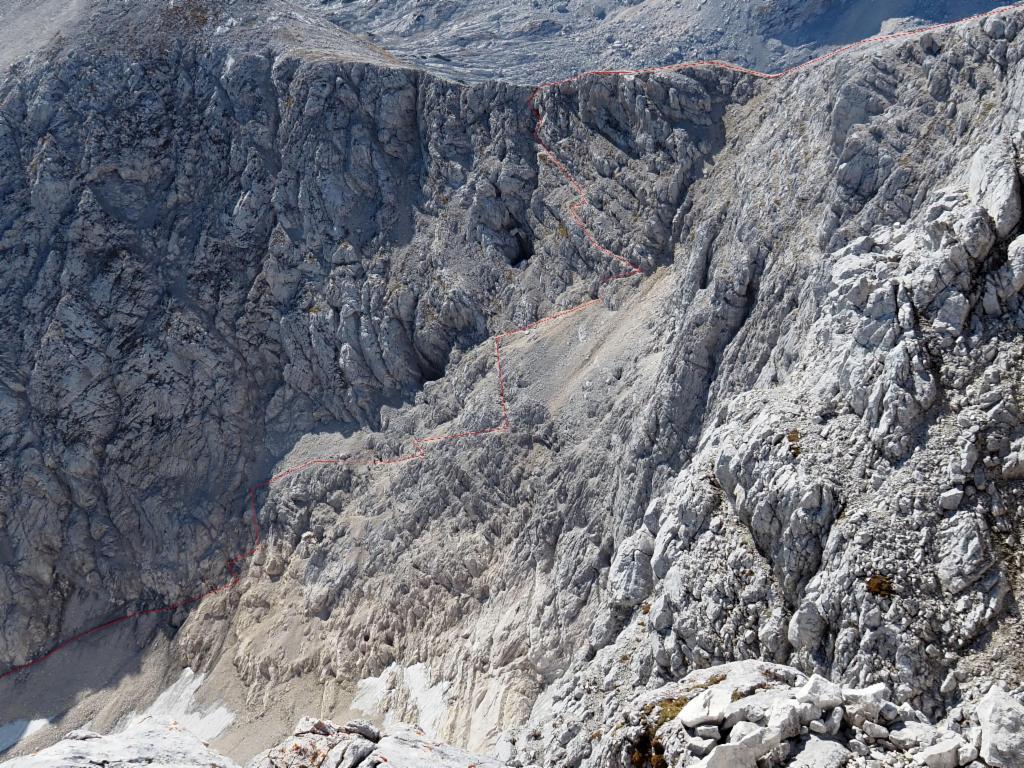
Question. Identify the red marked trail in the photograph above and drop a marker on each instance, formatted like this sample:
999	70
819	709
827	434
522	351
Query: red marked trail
420	444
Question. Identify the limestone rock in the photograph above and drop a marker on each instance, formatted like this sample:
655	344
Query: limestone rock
995	184
1002	729
820	692
708	707
768	722
821	753
153	741
236	246
945	754
910	735
326	745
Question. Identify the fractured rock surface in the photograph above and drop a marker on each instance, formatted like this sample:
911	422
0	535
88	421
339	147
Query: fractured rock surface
795	445
153	742
773	715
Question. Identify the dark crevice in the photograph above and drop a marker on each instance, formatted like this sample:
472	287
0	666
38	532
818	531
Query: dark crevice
524	249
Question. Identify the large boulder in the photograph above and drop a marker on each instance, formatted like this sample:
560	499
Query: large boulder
993	183
631	579
1002	729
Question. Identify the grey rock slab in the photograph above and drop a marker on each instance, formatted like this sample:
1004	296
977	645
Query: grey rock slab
944	754
805	626
730	756
950	499
407	748
865	703
363	728
820	691
1008	280
1001	718
994	183
154	741
707	708
909	735
820	753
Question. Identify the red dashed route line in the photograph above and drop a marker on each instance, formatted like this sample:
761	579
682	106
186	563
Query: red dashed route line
420	443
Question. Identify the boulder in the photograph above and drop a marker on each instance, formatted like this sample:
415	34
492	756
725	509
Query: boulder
911	735
730	756
755	708
806	626
1009	278
363	728
315	725
945	754
708	707
818	690
820	753
631	578
784	716
865	703
1001	718
993	184
759	741
699	747
348	753
950	500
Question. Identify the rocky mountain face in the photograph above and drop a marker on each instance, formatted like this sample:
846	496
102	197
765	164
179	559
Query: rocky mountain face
788	451
182	317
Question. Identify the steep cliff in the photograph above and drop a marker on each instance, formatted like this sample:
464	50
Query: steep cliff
794	435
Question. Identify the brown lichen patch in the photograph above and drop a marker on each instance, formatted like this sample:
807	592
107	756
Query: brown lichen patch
880	585
647	752
793	437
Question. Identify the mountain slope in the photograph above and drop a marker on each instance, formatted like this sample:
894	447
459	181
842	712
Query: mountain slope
549	40
794	437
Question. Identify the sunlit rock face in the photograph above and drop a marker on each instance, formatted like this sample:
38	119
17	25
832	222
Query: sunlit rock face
238	240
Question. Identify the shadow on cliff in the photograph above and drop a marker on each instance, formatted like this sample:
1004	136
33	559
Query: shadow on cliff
117	669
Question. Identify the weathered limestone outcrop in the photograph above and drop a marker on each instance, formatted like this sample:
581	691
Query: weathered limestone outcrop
152	742
751	713
358	744
849	504
745	714
796	439
236	248
314	744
